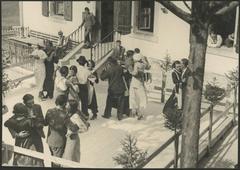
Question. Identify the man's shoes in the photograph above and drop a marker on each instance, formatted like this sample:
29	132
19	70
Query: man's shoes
106	117
140	117
119	118
93	117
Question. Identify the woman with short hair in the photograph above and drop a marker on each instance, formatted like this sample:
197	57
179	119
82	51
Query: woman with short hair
75	125
22	128
62	84
39	68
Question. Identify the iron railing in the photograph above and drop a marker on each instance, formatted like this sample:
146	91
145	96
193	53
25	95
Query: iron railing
17	54
77	36
104	47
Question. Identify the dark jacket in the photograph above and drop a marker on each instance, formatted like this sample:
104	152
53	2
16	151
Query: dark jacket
176	78
185	76
118	53
115	80
38	122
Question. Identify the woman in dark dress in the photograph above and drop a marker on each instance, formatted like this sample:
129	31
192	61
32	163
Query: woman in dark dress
21	128
174	101
48	85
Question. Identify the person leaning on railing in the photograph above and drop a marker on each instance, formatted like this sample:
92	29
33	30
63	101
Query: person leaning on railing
62	45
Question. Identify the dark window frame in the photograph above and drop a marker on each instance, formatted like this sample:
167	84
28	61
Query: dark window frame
145	16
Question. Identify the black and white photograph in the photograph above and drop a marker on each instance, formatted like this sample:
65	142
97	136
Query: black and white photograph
120	84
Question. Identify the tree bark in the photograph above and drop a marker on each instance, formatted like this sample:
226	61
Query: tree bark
192	104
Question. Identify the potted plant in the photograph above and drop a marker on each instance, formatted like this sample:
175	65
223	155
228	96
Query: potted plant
7	84
213	93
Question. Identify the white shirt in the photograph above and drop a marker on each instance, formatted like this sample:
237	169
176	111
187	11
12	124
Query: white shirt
60	82
41	54
82	74
214	43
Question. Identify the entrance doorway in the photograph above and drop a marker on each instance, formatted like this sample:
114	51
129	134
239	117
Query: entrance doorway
105	14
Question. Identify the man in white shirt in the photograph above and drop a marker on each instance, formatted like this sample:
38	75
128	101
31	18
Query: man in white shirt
214	40
82	74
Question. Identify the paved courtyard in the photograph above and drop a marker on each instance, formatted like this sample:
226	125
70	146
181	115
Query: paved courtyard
102	142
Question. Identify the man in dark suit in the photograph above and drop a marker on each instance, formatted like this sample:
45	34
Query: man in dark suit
118	51
186	72
55	119
35	113
114	74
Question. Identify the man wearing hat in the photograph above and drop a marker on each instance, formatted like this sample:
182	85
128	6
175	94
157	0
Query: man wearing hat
82	75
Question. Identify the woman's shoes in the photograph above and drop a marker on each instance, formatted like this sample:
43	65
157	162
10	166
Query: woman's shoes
93	117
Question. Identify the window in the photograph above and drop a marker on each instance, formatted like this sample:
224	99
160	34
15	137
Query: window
59	8
145	15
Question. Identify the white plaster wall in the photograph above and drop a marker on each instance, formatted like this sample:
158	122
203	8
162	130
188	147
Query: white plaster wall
32	15
221	64
170	34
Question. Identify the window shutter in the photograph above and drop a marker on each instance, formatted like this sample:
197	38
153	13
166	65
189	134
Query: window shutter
123	15
45	8
68	10
52	8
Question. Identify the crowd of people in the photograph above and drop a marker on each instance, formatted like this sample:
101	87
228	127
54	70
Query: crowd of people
74	93
72	89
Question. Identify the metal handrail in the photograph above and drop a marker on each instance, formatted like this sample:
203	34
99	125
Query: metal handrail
104	38
100	49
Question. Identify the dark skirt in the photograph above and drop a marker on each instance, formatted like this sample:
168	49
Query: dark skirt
48	85
171	105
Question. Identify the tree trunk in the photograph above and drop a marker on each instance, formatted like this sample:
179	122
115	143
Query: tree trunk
164	77
192	103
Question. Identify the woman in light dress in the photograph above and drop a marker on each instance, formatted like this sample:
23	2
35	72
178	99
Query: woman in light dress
74	117
62	84
137	91
39	68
